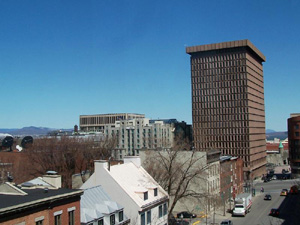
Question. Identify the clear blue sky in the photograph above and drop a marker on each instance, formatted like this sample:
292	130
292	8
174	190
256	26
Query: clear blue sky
62	59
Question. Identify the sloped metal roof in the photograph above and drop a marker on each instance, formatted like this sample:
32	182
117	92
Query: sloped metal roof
95	203
37	182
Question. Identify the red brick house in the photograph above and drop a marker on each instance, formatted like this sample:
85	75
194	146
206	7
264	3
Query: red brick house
39	202
231	177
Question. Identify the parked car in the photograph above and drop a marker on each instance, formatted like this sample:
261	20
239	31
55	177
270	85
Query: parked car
284	192
186	215
174	221
226	222
274	212
268	197
274	177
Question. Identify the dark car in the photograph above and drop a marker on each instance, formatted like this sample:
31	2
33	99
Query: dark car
268	197
186	215
274	212
226	222
174	221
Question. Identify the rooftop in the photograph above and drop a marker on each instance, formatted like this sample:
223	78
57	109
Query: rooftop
95	203
224	45
9	201
132	178
116	114
135	180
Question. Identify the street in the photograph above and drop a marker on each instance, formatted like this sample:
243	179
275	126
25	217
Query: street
289	207
259	215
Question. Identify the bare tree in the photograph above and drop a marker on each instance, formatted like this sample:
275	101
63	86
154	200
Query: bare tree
178	170
67	156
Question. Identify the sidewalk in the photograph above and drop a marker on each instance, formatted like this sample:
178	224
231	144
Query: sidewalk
218	216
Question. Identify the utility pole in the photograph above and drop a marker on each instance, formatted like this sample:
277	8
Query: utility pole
214	209
206	209
229	199
224	203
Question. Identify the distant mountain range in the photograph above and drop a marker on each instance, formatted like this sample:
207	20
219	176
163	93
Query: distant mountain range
270	131
29	130
270	134
280	135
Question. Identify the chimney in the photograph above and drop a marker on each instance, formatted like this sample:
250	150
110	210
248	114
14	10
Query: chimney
99	165
134	159
52	178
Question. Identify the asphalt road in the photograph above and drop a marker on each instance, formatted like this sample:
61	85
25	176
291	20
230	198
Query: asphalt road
288	206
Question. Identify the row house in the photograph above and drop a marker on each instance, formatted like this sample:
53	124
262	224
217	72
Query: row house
144	200
40	201
231	177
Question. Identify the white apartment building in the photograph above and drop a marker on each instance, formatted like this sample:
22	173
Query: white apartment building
140	133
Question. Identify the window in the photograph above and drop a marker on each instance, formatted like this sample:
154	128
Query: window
71	217
41	222
297	134
160	211
143	219
146	195
57	220
112	220
121	216
149	217
165	209
100	222
155	192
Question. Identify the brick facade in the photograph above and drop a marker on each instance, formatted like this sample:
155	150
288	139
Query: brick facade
44	211
228	102
231	177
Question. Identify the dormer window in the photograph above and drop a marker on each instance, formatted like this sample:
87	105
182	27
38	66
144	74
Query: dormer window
155	191
112	220
121	216
145	195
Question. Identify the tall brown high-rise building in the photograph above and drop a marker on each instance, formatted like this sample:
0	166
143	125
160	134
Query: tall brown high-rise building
228	102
